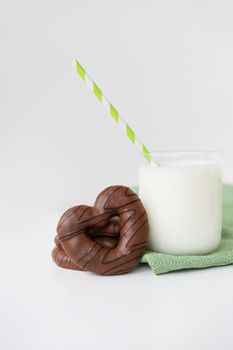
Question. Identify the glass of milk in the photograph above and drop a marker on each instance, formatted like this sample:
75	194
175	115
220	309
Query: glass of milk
182	195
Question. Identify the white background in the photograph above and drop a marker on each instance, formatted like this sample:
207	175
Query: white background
167	67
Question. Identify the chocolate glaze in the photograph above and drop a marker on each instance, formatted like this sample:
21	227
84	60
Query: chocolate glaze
108	238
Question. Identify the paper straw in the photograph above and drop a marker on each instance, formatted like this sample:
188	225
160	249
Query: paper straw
113	112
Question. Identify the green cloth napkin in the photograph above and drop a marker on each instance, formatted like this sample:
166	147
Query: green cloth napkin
162	263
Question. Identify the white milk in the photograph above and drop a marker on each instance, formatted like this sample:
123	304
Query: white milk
184	206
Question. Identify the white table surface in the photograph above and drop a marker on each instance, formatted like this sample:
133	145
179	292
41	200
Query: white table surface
46	307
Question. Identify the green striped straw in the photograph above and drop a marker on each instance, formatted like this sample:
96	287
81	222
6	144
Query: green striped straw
113	112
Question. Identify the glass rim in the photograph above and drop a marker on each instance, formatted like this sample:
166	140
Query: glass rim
183	157
181	152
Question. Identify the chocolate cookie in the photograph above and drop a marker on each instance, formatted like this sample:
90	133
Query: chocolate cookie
108	238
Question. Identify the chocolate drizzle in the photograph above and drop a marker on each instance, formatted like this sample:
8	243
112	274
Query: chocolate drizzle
108	238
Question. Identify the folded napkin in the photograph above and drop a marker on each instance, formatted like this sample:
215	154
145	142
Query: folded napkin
162	263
